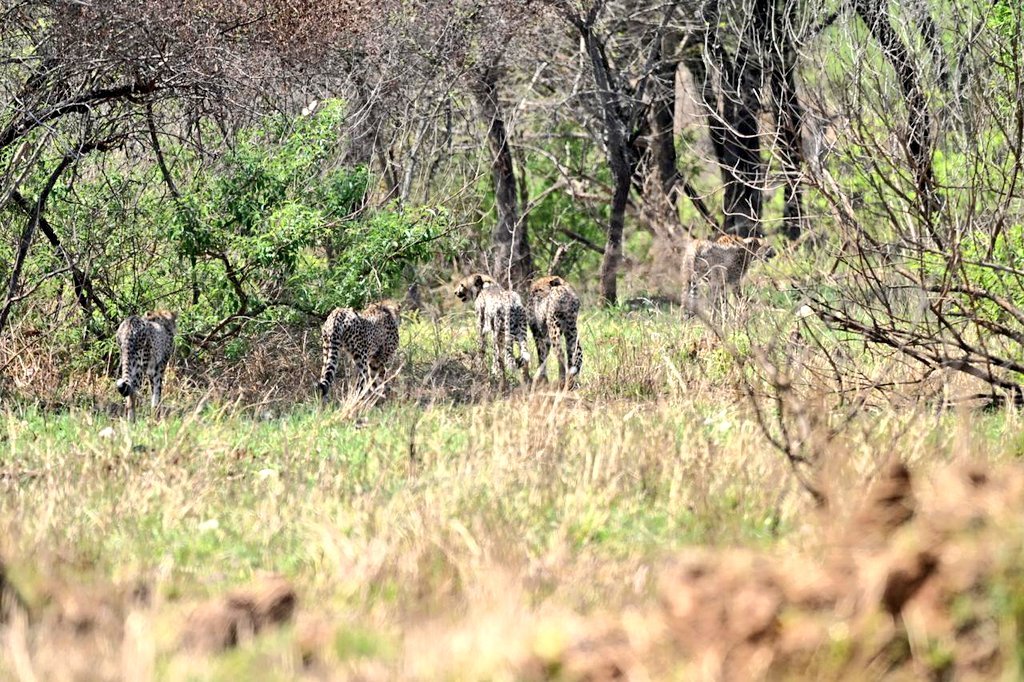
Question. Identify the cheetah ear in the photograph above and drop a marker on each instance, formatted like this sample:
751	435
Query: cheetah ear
478	280
556	281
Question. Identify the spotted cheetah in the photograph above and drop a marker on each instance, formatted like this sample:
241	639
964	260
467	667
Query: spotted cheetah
369	337
146	343
553	309
719	266
500	313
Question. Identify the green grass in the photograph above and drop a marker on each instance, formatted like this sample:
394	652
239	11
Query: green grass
424	507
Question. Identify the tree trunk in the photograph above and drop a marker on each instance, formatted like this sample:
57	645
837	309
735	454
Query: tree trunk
662	142
612	258
662	118
29	232
732	112
511	264
81	282
789	116
621	160
919	137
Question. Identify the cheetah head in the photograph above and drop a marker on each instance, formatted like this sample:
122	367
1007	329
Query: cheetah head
389	305
542	285
469	287
164	318
759	248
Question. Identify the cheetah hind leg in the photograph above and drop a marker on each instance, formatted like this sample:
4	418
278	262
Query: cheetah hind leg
502	353
556	343
523	361
575	353
156	381
540	339
482	332
363	378
694	303
377	376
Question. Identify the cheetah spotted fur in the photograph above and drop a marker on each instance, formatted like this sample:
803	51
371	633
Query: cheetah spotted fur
501	315
553	311
146	343
718	267
369	337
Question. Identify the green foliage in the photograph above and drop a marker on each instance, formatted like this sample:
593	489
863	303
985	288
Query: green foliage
1004	17
274	225
985	261
557	212
375	253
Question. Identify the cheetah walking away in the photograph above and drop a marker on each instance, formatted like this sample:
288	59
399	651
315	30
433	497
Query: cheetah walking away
718	267
499	313
369	337
553	311
146	343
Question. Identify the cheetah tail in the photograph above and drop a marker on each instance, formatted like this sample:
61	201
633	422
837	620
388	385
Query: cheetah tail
330	358
576	361
524	352
574	348
131	373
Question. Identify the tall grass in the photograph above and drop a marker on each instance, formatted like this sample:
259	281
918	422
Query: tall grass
423	530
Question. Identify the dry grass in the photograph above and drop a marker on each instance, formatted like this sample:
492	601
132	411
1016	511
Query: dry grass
447	532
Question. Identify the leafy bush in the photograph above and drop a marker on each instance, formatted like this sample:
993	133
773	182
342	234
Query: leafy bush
275	223
273	226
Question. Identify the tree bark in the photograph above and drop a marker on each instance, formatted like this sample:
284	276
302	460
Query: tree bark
621	160
919	133
512	263
612	258
662	118
732	112
789	115
35	216
662	142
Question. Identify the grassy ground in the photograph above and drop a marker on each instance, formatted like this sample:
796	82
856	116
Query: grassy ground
434	534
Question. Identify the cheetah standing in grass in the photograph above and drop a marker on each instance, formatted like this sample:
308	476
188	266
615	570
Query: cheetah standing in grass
146	343
718	266
500	313
369	337
553	310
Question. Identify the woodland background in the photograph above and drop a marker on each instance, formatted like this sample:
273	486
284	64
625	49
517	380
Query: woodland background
821	483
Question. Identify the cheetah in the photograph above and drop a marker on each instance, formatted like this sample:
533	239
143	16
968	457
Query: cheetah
146	343
553	310
720	265
500	313
369	337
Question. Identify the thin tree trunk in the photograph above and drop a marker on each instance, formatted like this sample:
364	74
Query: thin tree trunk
732	112
919	142
511	262
741	139
612	258
789	116
621	161
29	232
662	118
662	138
172	187
85	293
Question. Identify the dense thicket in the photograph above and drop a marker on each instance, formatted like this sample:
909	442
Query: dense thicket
246	161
